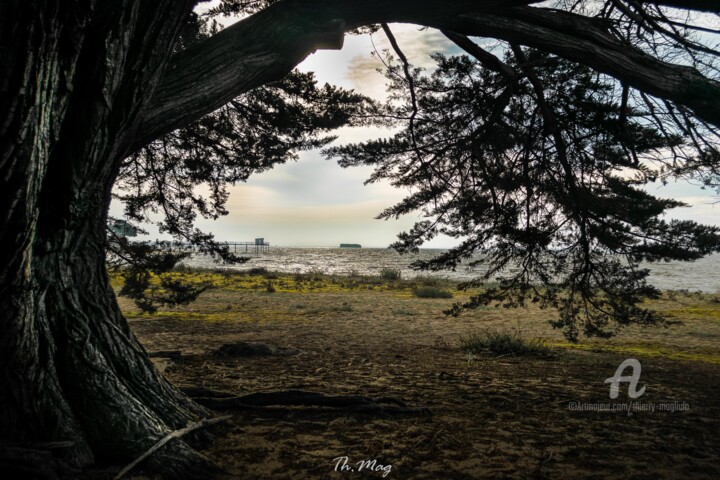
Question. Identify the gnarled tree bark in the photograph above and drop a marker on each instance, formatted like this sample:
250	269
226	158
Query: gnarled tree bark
79	74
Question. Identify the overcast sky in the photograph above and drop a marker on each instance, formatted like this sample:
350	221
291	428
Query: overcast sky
314	202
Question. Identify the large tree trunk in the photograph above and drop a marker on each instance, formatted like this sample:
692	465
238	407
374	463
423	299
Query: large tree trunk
70	368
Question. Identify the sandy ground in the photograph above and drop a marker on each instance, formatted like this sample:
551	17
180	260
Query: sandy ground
491	417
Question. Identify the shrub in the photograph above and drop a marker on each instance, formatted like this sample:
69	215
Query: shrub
497	343
345	307
315	274
390	274
427	281
183	268
431	292
257	271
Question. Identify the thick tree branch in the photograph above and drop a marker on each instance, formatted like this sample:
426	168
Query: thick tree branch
587	41
266	46
486	58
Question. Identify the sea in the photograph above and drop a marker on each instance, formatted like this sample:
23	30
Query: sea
700	275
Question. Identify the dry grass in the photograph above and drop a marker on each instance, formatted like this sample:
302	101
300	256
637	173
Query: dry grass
500	415
243	297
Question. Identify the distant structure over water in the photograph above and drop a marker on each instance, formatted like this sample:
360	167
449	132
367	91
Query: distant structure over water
350	245
258	246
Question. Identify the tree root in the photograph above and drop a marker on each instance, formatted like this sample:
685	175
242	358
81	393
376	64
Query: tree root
248	349
172	354
260	401
196	392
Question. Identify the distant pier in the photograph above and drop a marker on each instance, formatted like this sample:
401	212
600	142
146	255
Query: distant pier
256	247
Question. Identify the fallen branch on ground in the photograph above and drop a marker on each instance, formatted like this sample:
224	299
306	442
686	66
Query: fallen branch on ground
192	426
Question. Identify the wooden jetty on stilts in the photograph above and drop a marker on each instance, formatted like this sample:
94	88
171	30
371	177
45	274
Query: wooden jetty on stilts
258	246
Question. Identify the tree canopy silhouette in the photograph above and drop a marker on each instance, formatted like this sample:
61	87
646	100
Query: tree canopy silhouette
535	155
535	163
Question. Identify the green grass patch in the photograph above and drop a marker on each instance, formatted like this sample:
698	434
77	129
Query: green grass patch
390	274
258	271
431	292
505	344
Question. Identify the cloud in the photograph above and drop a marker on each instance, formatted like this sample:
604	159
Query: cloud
417	45
364	73
310	225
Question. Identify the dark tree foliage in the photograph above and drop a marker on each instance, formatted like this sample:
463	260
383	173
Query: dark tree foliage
534	162
185	174
239	7
143	267
537	165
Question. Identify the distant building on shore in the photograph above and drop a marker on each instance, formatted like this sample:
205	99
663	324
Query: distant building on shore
350	245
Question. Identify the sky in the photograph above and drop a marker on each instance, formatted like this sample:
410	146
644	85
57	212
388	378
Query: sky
315	202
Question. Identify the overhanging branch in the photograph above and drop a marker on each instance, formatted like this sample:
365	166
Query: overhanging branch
588	42
266	46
